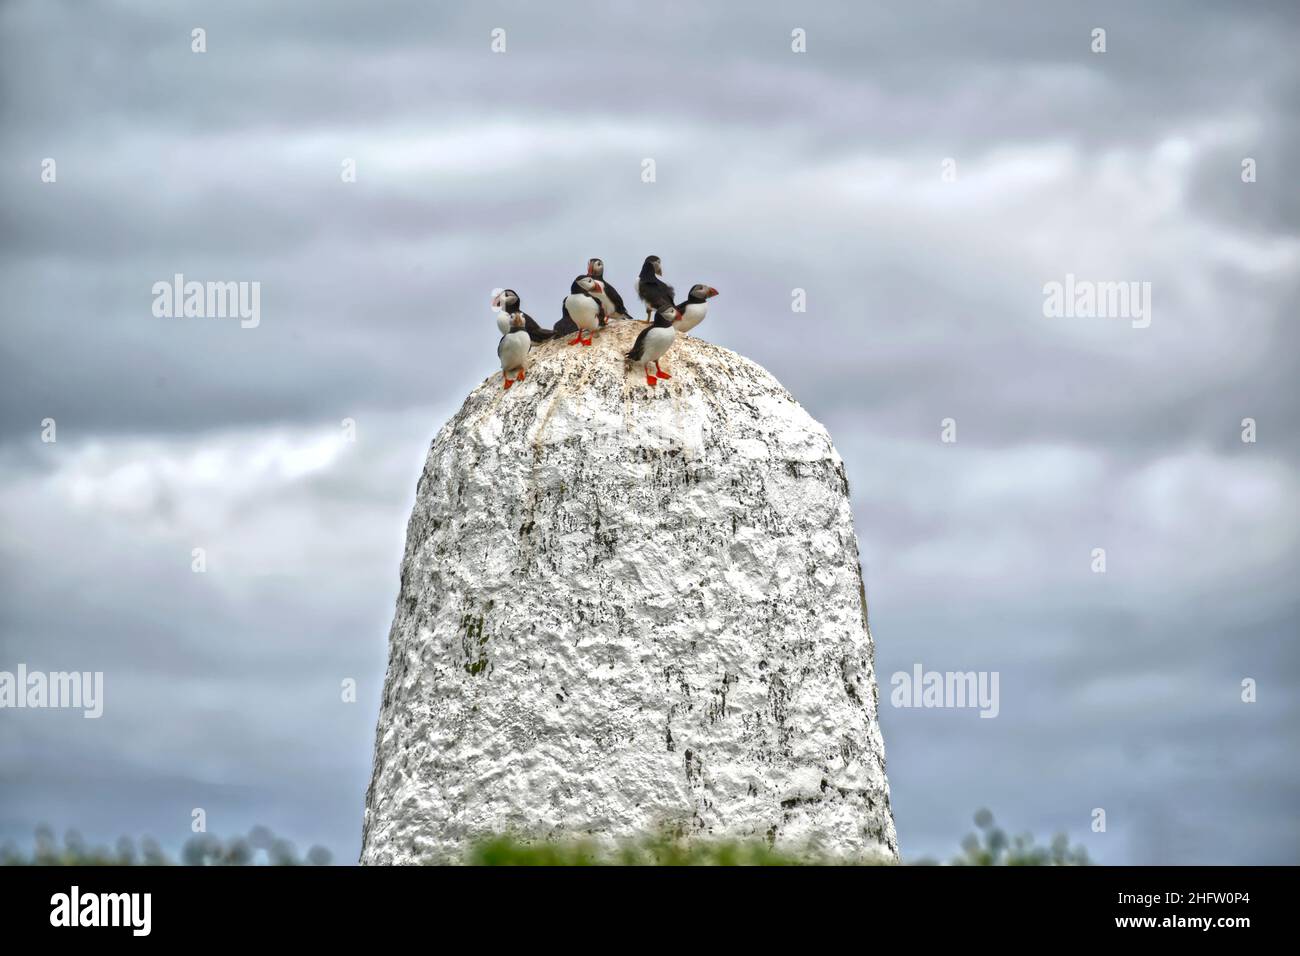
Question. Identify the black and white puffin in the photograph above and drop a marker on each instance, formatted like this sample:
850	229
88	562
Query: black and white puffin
508	302
582	310
653	342
654	292
695	308
610	299
512	350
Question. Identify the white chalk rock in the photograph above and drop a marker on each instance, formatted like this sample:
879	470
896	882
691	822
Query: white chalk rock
625	611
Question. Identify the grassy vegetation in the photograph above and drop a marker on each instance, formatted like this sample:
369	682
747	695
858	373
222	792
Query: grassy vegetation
260	846
651	851
989	846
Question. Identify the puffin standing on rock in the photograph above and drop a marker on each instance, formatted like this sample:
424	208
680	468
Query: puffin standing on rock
609	299
654	292
653	342
582	310
508	302
512	350
695	308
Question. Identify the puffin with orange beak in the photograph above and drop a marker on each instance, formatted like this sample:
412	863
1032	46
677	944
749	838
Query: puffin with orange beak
610	300
695	308
507	301
582	310
512	350
653	342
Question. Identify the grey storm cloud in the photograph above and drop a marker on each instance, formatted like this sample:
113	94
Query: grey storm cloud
776	171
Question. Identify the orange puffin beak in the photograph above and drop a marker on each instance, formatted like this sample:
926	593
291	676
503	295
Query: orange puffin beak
712	292
597	287
496	301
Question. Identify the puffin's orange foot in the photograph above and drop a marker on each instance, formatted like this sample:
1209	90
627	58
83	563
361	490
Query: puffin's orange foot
577	341
586	341
651	380
521	376
509	382
662	373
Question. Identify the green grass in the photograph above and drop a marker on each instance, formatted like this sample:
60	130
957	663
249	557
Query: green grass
651	851
989	846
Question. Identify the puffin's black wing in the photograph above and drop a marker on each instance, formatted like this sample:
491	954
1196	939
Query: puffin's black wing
601	317
535	331
638	347
566	324
656	293
615	298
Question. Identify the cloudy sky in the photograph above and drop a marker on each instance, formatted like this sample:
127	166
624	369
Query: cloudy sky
774	171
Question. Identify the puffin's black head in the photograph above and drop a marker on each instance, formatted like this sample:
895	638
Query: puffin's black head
667	316
702	292
506	300
586	284
596	268
652	266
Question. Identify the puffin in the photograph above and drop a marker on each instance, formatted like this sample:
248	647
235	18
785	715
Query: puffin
582	310
654	292
508	302
512	350
653	342
695	308
610	299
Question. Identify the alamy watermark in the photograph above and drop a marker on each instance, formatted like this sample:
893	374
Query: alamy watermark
1087	299
208	300
130	910
55	689
951	689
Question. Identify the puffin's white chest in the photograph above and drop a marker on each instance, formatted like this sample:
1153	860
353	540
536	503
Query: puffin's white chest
692	315
584	310
657	342
503	322
513	348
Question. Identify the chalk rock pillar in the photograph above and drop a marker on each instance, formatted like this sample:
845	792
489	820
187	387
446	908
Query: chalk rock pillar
625	611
